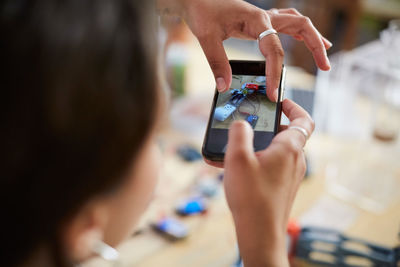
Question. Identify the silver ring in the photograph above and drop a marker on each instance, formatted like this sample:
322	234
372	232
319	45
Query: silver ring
266	33
274	10
301	130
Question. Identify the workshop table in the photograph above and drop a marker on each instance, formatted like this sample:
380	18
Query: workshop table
212	240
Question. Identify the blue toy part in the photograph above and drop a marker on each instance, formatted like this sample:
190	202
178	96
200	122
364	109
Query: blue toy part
208	187
262	89
171	228
222	113
188	153
237	99
191	206
235	91
335	246
252	119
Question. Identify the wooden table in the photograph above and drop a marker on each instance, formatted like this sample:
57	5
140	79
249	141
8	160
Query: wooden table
212	240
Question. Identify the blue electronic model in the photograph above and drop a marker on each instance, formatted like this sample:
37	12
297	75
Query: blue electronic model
252	119
192	206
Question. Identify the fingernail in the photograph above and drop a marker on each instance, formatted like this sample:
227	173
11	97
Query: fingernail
329	43
221	85
329	63
275	95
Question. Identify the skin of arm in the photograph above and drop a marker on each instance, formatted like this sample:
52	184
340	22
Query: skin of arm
260	187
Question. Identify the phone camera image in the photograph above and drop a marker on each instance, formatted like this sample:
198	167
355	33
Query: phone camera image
245	100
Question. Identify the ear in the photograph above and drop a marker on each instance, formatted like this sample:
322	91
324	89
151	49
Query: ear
85	229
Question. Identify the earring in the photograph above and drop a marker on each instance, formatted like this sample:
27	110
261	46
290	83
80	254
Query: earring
105	251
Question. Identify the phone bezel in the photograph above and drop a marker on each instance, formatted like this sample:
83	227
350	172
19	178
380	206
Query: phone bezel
244	67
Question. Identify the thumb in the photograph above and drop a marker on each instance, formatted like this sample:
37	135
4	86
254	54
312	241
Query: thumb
240	143
218	61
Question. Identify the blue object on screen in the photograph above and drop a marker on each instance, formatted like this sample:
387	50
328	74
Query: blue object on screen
252	119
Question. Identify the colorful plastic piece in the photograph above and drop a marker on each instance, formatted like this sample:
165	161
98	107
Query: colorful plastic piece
191	206
171	228
188	153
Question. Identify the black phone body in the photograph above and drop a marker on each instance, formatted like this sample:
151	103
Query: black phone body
246	99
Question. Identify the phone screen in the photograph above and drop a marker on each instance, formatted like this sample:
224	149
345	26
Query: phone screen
245	100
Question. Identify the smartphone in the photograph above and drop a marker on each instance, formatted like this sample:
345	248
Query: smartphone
246	100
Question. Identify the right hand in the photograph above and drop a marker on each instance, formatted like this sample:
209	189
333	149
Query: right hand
260	187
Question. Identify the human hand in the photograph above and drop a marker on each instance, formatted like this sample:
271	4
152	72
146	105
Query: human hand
213	21
260	187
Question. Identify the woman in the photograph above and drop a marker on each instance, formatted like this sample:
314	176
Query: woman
78	130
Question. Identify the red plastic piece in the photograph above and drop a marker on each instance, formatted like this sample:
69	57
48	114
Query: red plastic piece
293	231
252	86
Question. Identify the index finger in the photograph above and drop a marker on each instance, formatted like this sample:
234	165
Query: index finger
301	26
271	48
218	61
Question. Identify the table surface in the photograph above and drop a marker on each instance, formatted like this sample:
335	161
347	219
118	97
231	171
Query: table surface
212	240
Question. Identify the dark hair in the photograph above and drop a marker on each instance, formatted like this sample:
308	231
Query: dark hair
78	97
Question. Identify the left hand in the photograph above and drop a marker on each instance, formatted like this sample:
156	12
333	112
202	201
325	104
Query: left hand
213	21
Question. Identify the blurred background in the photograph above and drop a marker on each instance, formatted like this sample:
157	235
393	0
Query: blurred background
347	212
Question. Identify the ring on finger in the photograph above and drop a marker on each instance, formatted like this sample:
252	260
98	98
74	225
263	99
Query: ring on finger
301	130
266	33
274	10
